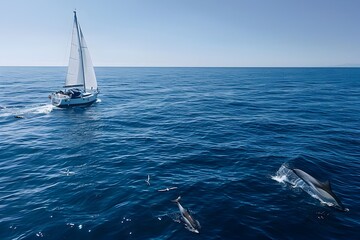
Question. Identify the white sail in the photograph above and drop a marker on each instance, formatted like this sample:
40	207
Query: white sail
90	77
74	74
80	70
80	74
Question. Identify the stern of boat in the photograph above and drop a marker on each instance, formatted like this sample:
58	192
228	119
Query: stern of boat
58	99
64	100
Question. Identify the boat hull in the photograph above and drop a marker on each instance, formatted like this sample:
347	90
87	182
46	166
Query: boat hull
64	101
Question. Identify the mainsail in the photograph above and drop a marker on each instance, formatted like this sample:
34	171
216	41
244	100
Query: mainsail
80	70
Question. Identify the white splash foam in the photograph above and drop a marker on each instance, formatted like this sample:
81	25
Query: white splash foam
282	175
286	175
70	224
27	111
280	179
45	109
98	100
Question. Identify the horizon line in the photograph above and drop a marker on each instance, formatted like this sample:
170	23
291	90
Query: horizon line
117	66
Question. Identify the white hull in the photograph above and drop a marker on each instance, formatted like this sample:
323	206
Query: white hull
65	101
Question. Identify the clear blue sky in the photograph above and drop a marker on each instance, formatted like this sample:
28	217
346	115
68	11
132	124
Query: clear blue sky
183	32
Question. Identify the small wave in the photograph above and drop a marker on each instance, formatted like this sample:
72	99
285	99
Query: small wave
98	100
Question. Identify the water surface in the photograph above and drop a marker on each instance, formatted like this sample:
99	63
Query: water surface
217	134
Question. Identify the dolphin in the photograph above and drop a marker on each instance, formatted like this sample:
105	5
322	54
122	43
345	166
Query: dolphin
190	223
321	189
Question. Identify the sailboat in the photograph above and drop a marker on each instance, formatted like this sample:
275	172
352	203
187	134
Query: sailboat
80	85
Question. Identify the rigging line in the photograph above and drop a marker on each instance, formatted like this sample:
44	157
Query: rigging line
81	52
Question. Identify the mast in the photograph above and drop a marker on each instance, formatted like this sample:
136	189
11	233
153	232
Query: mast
80	49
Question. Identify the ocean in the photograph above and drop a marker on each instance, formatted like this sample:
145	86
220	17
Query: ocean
217	137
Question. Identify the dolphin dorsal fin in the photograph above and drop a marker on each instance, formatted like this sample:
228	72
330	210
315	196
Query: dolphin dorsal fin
326	185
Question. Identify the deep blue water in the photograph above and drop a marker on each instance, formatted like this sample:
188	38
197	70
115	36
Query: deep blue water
217	134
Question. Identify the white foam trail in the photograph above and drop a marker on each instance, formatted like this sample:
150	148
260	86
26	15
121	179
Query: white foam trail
21	111
44	109
5	112
98	100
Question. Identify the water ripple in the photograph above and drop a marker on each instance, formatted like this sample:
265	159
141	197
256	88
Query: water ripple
217	134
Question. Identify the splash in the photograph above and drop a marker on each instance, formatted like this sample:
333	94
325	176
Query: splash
287	176
280	179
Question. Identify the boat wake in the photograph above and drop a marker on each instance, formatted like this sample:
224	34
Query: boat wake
25	111
44	109
286	176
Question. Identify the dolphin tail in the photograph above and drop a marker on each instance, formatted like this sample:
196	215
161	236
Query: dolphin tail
176	200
